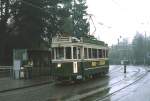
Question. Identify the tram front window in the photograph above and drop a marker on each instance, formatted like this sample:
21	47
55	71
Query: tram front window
68	52
53	53
103	55
106	53
60	53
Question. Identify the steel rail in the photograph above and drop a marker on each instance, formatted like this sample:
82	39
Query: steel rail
99	89
135	81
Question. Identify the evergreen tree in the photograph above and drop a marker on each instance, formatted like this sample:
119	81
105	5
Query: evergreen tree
139	48
29	23
81	26
67	27
64	14
4	16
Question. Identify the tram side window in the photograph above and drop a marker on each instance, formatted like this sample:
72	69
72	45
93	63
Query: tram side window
85	53
89	50
94	53
106	53
103	54
59	52
68	52
100	53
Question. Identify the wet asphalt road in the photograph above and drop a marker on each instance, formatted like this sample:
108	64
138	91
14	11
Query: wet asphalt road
57	92
140	91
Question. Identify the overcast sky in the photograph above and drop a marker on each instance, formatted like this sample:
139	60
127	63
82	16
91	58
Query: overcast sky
119	18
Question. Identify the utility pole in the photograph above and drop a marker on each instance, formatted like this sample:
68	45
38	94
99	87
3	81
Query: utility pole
125	70
145	52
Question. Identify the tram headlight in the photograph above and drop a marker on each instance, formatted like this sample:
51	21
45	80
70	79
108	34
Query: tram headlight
59	65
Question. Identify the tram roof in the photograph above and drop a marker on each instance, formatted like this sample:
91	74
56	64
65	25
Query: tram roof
78	41
93	41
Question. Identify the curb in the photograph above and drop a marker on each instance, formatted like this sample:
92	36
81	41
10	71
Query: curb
26	86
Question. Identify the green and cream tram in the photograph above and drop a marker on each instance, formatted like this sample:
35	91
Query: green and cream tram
78	59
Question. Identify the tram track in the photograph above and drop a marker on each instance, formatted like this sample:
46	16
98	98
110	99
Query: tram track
100	89
118	72
104	83
131	75
82	95
125	78
112	93
115	69
125	92
33	86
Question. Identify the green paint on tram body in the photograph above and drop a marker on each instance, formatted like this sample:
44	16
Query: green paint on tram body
85	68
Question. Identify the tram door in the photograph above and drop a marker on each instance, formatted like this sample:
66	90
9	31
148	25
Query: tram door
75	67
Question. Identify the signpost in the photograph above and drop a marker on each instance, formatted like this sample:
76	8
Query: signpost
124	62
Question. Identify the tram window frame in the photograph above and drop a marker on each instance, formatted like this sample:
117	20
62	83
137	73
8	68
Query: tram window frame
74	52
85	53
